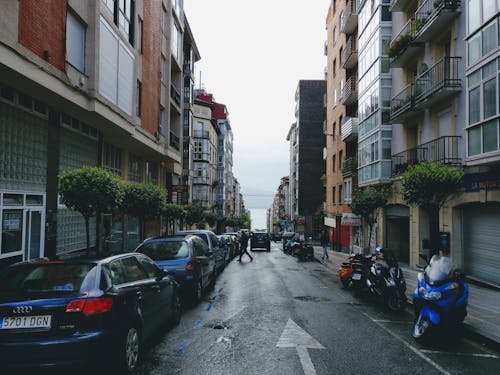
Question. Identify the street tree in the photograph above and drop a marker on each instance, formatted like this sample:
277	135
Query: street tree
144	201
172	212
245	221
365	202
429	185
90	191
194	214
210	218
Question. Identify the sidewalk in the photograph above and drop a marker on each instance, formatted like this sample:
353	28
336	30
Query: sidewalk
483	310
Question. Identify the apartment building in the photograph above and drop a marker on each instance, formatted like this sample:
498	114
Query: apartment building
205	136
341	126
307	142
279	214
84	83
444	108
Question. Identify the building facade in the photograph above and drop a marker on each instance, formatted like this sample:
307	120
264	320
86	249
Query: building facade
341	126
307	142
84	83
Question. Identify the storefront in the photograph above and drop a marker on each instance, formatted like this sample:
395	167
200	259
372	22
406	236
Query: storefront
22	216
397	226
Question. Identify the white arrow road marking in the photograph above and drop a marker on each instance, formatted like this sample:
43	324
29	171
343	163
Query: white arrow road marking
295	337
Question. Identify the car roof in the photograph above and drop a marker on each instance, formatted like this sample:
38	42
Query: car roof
174	238
194	231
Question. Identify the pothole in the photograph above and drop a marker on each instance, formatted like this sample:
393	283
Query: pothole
220	326
311	299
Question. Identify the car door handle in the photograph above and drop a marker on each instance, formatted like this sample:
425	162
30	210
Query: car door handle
138	294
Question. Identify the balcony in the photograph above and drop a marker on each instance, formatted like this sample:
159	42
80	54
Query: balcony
201	134
174	141
442	150
175	95
403	104
439	82
349	167
350	91
201	180
399	5
349	19
349	129
403	47
433	16
187	69
350	53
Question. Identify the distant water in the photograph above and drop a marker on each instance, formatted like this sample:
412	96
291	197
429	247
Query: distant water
258	216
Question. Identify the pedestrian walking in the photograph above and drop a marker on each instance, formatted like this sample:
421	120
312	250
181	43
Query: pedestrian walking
244	245
325	242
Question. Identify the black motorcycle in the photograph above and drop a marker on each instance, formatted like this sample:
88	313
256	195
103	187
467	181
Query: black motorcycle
386	281
304	250
360	270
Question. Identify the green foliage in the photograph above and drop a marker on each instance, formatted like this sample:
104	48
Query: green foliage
319	217
145	201
194	214
366	200
210	218
233	221
173	211
245	221
399	45
90	190
429	184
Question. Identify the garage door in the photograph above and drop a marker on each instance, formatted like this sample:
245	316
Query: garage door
482	242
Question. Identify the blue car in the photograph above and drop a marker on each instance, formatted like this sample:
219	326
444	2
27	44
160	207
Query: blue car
95	311
213	245
187	258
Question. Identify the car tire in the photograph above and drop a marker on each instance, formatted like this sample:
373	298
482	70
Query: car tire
176	309
129	349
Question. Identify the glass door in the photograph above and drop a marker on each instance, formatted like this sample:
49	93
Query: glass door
33	230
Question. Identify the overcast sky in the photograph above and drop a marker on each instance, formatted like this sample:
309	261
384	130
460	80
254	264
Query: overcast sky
253	53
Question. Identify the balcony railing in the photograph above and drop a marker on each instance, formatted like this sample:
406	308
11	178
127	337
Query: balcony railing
350	53
201	180
442	150
349	19
403	47
350	91
201	134
398	5
442	78
349	129
349	167
174	141
432	16
175	95
402	102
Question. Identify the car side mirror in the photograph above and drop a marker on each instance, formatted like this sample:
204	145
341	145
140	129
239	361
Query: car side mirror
164	273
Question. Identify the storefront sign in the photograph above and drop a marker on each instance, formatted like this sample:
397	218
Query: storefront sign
351	220
330	222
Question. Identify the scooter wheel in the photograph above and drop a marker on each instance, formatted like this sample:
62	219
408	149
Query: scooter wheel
421	329
395	302
346	281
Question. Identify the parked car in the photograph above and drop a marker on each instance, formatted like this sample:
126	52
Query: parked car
187	258
213	245
229	244
96	311
260	239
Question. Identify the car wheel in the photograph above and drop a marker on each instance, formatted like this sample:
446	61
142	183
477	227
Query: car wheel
129	349
176	309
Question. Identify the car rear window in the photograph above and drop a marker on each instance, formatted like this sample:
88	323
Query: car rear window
165	250
48	277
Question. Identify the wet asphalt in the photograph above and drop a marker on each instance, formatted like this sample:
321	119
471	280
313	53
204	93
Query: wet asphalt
235	329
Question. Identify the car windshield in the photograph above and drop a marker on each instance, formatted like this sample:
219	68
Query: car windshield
48	277
165	250
439	268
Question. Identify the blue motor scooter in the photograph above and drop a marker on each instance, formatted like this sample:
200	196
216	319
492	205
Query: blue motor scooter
440	299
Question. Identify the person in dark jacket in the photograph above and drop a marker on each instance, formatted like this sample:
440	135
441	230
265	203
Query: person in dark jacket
325	242
244	245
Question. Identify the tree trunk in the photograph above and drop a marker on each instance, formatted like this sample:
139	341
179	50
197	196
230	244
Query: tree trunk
87	233
434	230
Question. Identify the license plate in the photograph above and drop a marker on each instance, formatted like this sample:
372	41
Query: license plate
19	322
356	276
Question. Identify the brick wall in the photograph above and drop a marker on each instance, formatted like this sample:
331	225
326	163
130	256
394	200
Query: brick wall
152	38
42	27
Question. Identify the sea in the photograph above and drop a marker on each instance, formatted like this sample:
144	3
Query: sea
258	216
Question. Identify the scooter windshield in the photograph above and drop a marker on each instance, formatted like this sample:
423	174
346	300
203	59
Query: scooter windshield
439	269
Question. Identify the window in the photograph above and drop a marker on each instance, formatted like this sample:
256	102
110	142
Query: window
132	270
139	35
123	16
334	70
163	70
175	42
341	197
474	15
334	195
152	173
134	168
334	35
347	191
75	42
138	98
340	159
163	120
334	162
112	159
164	21
489	35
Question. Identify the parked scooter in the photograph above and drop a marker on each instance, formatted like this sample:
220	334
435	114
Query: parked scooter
345	271
360	270
386	281
440	299
304	250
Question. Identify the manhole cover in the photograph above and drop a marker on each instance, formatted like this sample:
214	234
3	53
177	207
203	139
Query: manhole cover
311	299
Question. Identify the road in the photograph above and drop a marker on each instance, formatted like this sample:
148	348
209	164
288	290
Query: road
278	316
